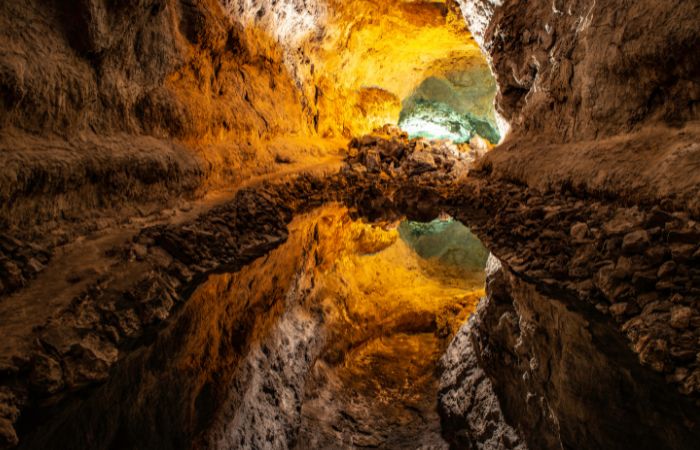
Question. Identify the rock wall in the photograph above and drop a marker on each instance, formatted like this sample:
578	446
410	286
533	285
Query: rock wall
107	103
589	69
162	68
602	95
532	371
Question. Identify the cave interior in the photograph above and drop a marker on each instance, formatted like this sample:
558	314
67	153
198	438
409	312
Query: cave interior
342	224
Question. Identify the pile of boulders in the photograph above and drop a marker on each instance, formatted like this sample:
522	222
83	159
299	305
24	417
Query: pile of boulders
390	153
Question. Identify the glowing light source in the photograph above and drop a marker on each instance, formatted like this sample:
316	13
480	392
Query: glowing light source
418	127
435	120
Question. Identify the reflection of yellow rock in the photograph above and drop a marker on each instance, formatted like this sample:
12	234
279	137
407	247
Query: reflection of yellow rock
345	306
379	279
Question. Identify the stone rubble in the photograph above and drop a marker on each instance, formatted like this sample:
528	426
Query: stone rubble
634	270
20	262
389	153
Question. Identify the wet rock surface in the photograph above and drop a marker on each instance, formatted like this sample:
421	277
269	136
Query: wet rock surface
549	364
468	402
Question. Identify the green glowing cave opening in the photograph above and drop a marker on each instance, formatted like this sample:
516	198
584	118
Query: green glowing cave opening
435	120
455	107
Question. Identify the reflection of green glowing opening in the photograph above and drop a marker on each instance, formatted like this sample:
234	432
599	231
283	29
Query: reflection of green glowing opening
435	120
447	241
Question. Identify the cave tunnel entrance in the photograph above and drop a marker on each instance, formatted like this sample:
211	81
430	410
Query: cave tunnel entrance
457	106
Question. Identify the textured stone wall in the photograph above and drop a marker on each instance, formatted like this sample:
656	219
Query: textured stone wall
173	69
531	370
575	70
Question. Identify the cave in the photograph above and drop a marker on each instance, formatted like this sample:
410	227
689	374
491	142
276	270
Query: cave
342	224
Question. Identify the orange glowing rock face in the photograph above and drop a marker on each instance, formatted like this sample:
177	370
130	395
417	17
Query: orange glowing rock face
334	70
392	46
355	61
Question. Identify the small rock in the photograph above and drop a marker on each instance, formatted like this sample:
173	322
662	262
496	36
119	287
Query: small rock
34	266
9	244
680	317
692	383
624	220
139	251
619	309
665	285
604	280
89	361
677	298
683	355
653	353
372	161
420	162
579	231
12	275
358	168
624	268
8	436
46	376
635	242
645	299
666	269
679	375
682	252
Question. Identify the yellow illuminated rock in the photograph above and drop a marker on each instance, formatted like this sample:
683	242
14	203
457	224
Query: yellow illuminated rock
393	46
